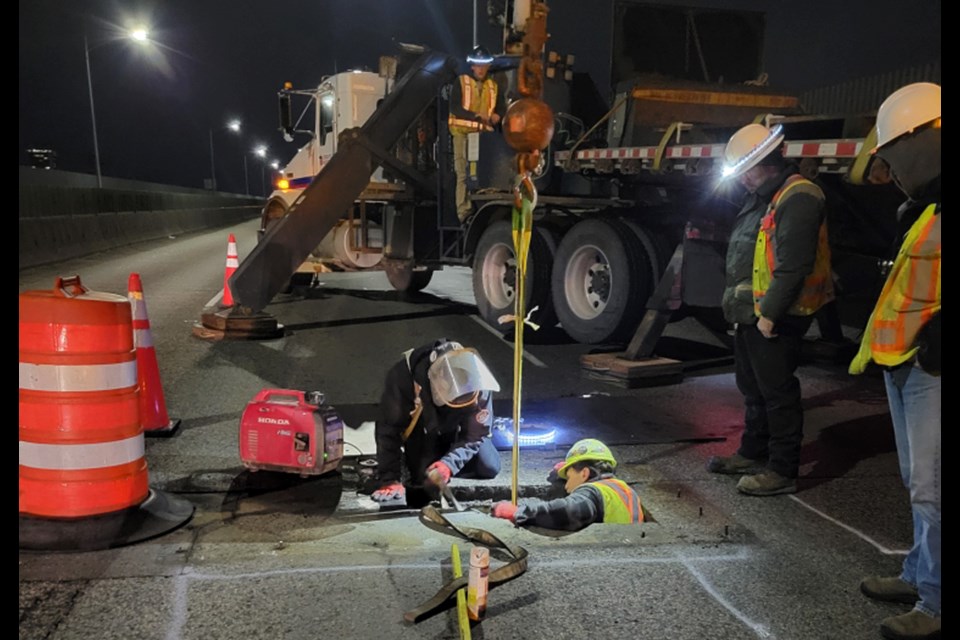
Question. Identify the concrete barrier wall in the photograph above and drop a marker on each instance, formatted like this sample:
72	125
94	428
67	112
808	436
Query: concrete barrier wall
60	222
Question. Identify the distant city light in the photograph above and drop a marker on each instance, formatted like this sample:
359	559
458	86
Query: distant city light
260	151
234	125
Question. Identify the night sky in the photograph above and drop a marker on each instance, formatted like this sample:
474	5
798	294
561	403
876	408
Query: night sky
215	60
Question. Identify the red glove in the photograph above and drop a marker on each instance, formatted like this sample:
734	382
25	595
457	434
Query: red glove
505	510
442	470
392	491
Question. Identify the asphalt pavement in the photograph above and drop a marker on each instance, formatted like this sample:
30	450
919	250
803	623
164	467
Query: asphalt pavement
272	555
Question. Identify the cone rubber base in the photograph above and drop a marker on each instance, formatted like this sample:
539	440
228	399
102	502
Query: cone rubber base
164	432
232	324
160	513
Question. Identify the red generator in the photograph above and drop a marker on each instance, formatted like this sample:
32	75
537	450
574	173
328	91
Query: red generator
292	431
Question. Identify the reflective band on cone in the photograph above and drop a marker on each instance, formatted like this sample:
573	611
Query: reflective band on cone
153	407
81	442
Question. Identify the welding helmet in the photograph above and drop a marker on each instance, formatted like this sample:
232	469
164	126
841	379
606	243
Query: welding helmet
479	55
457	375
906	109
748	146
587	450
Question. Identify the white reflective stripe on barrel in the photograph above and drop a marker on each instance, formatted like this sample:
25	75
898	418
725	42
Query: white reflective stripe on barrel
74	457
92	377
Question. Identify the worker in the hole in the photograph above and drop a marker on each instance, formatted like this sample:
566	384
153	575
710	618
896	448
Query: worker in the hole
436	412
594	494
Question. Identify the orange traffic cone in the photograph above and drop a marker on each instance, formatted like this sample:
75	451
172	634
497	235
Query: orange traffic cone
233	261
153	408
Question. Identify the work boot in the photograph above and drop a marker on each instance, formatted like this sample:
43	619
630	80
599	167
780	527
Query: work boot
889	589
915	625
766	483
732	465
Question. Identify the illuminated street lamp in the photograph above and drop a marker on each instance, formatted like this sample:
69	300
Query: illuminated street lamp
232	125
261	152
139	35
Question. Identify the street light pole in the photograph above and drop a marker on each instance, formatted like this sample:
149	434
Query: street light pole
246	179
93	115
213	168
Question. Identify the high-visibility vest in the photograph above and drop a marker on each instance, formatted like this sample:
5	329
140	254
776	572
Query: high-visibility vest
621	504
818	286
478	97
910	297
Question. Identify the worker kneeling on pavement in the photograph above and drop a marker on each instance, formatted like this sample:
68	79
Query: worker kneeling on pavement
594	494
435	416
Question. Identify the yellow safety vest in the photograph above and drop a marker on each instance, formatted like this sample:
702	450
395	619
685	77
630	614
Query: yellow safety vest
478	97
910	297
621	504
818	286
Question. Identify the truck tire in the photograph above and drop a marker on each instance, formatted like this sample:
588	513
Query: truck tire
601	281
494	275
404	277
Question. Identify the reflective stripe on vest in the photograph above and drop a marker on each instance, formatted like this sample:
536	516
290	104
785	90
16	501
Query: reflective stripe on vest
621	504
910	297
818	286
478	98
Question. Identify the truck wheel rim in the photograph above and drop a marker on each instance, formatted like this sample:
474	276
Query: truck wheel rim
587	282
499	276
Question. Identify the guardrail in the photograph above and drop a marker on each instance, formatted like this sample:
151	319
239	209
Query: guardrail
59	220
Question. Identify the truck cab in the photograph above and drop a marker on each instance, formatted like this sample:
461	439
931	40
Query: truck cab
341	102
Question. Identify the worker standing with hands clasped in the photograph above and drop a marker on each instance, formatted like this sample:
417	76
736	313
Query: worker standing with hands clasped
594	494
435	413
903	337
475	106
777	277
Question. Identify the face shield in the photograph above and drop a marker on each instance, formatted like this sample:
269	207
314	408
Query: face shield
457	376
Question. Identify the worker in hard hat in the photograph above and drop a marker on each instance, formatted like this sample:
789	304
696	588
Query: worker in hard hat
475	106
593	494
436	412
777	277
903	337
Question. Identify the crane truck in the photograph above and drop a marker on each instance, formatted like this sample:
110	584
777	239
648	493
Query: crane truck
629	220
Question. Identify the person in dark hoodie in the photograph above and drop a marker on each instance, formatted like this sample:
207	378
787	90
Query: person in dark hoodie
436	412
903	337
777	277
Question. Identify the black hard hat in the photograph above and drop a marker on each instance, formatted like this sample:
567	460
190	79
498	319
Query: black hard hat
479	55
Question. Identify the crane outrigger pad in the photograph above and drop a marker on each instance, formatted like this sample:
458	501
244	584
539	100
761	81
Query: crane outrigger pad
236	324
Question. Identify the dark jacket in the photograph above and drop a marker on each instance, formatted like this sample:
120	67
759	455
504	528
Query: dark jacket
798	221
462	429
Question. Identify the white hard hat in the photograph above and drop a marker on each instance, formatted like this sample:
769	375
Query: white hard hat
459	374
906	109
748	146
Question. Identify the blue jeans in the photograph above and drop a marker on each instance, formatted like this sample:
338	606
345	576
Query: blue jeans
914	398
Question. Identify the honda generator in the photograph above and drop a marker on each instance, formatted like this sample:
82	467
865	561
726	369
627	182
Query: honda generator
292	431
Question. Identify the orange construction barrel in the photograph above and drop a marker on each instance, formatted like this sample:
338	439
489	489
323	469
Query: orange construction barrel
81	442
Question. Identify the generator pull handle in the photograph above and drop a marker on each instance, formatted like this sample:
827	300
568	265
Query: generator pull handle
280	396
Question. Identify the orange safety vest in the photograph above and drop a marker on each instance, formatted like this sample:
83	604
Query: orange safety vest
621	504
818	286
910	297
478	97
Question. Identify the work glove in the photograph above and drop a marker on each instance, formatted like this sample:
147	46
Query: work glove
928	346
439	471
505	510
392	491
